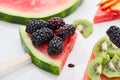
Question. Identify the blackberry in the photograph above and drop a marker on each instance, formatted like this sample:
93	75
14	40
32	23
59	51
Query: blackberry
41	36
55	22
55	46
114	35
34	25
66	31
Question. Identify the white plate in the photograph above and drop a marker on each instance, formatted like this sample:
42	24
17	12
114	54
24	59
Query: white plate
10	47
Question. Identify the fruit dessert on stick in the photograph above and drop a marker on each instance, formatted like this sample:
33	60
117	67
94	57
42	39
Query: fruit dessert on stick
108	10
49	43
104	63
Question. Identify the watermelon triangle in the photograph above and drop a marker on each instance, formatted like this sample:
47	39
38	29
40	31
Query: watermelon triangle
106	15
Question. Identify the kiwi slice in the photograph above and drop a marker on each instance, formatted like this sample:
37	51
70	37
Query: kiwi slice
100	48
113	50
105	58
116	63
105	46
85	27
94	69
111	66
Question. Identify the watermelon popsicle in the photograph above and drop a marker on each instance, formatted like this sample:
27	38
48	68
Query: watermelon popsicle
40	55
45	45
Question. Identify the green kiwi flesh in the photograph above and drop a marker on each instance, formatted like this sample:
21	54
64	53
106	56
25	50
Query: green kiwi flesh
94	69
100	48
106	62
110	69
116	63
105	46
85	27
113	50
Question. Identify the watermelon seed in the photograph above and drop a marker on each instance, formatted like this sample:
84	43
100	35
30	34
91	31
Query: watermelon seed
71	65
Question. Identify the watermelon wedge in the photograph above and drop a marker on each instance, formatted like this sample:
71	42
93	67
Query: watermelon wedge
104	16
20	11
108	10
40	56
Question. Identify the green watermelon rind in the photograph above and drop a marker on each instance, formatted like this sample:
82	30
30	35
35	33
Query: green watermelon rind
5	14
38	59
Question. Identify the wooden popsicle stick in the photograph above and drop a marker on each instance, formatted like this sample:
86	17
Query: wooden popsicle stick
12	65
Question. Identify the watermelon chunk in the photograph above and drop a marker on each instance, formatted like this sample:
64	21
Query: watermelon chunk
40	56
108	10
20	11
106	15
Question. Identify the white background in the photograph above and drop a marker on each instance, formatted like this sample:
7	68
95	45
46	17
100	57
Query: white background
10	47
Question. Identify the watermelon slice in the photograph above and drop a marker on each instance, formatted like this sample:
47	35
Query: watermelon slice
102	77
103	15
108	10
40	56
20	11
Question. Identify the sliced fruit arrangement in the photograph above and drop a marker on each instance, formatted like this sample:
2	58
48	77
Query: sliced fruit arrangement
21	11
104	63
108	10
85	27
48	42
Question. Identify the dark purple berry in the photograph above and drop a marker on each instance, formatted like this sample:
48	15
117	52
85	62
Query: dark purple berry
55	46
66	31
42	36
34	25
55	23
114	35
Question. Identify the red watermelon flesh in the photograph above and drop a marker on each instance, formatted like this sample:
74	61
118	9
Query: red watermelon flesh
106	15
33	6
68	46
102	77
